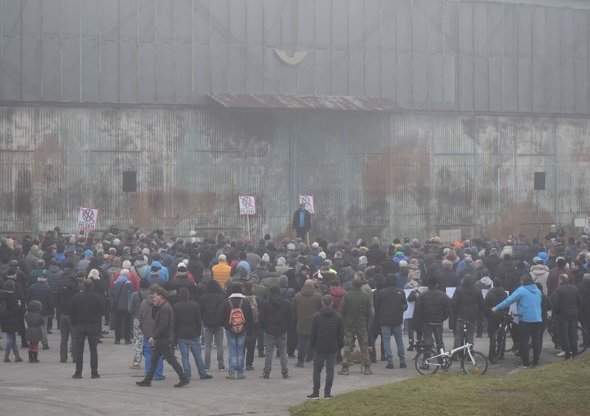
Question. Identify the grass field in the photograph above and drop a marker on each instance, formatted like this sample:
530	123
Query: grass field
562	388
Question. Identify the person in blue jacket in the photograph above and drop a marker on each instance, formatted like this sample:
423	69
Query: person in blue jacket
528	298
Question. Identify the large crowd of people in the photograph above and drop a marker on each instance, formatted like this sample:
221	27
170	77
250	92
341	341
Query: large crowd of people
312	303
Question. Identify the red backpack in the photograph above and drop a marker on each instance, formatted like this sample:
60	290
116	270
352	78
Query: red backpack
237	320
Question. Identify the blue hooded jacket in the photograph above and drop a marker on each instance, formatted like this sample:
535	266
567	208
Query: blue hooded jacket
528	298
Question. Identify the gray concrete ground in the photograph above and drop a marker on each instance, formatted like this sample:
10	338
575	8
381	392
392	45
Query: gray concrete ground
48	389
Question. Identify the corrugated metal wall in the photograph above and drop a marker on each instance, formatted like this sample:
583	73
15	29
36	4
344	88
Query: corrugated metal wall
371	174
463	55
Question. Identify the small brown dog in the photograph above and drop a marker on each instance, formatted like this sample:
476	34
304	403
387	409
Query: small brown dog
356	357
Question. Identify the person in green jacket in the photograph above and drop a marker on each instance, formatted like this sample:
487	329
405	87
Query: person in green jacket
356	308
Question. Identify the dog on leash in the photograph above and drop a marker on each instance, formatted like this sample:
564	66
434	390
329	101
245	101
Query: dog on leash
356	357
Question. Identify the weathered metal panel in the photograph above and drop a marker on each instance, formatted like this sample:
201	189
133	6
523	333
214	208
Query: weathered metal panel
534	53
371	174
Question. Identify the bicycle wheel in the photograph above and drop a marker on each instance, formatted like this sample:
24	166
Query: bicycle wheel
422	360
582	340
477	366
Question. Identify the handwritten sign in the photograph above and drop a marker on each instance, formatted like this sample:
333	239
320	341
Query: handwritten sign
307	200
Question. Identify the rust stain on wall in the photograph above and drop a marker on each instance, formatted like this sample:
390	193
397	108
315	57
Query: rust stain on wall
517	217
404	166
149	206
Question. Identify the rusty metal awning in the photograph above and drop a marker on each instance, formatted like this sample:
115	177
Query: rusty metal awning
306	102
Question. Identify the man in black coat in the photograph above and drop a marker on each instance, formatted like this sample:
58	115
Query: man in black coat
565	302
69	285
187	329
162	338
301	221
326	338
468	305
432	309
275	315
86	310
390	304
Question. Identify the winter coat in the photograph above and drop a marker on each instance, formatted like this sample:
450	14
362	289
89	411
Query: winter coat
233	301
467	302
209	304
528	298
15	309
355	308
135	302
145	318
447	278
390	304
432	306
68	287
187	319
540	273
54	275
553	279
121	294
42	292
86	308
565	301
163	322
326	331
275	315
494	296
337	293
34	321
179	281
307	302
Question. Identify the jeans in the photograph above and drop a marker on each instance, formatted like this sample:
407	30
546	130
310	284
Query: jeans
162	348
147	355
269	344
568	327
210	335
319	359
10	345
194	346
304	351
386	332
84	331
67	332
44	331
235	352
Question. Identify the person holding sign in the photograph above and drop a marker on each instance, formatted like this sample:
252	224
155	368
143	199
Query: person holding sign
301	221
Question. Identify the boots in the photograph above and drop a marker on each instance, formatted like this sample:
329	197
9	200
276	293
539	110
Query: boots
31	359
35	357
17	358
411	347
